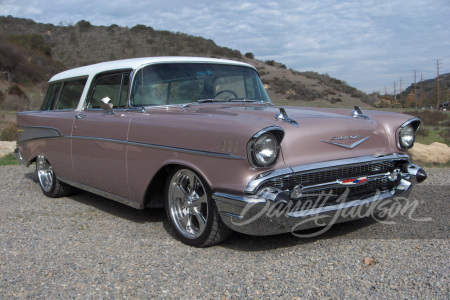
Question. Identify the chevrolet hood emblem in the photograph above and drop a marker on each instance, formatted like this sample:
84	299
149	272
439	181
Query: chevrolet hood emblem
335	139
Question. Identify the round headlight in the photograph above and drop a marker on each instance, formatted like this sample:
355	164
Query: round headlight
406	137
265	149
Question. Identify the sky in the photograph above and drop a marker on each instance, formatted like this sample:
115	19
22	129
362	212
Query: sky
370	44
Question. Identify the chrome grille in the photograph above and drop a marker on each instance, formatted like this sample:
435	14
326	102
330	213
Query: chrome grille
330	195
321	176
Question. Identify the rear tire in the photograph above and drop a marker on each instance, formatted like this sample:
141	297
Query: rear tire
191	211
50	185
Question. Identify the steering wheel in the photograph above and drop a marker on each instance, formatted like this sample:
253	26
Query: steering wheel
226	91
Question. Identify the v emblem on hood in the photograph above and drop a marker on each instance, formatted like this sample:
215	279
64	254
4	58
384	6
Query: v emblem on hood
351	146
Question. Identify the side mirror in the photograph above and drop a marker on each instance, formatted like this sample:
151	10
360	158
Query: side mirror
107	106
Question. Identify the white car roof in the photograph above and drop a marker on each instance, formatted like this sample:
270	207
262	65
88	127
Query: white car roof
134	63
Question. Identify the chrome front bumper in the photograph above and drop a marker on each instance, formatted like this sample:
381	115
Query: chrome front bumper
270	210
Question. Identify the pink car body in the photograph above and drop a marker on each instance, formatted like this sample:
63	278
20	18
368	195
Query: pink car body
243	153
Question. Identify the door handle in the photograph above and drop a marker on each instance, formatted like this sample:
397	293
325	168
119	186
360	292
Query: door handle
80	116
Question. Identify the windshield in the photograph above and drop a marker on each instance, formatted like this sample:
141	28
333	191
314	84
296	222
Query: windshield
180	83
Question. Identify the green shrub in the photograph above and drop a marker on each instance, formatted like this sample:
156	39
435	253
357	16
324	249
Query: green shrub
249	55
429	117
270	62
33	42
9	133
445	133
84	25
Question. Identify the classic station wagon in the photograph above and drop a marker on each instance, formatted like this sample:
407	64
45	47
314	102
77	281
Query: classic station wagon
201	138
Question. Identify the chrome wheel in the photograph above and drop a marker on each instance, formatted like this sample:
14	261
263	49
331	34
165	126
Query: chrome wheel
188	204
44	173
48	181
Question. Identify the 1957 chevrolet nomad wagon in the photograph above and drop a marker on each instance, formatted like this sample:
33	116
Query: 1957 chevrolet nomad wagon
201	138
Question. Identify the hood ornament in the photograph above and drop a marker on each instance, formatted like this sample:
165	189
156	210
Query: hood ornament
358	113
334	139
283	116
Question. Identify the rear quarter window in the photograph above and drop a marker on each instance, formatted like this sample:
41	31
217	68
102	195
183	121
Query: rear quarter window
64	95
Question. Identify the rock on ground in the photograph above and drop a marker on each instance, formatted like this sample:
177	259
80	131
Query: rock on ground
433	153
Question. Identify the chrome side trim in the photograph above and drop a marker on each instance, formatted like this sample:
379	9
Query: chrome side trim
29	133
253	185
110	196
161	147
153	146
189	151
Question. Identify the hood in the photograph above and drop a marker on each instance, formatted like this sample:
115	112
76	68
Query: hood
321	135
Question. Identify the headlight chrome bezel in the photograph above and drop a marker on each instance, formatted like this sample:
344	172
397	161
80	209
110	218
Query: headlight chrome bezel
407	131
274	134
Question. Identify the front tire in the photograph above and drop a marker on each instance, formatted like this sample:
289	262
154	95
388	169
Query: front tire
191	211
50	185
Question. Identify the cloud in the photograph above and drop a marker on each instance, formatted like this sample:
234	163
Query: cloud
356	41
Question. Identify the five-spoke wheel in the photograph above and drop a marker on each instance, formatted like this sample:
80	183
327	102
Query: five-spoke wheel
50	185
191	210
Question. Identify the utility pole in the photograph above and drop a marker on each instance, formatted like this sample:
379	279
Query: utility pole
385	91
438	94
415	91
401	96
420	95
395	95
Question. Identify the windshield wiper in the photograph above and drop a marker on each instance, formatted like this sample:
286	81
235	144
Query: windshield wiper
243	100
211	100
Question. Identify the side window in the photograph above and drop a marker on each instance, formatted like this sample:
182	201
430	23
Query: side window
114	86
70	94
51	96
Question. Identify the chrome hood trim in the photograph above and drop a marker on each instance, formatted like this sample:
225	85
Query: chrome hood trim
351	146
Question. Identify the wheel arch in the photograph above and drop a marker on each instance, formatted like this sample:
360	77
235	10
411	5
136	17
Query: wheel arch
154	194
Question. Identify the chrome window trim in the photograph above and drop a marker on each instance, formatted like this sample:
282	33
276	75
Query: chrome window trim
141	67
93	84
255	183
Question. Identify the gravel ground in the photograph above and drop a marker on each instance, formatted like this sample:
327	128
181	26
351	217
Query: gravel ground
87	247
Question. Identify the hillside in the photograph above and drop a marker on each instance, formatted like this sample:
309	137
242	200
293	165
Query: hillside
429	91
32	52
